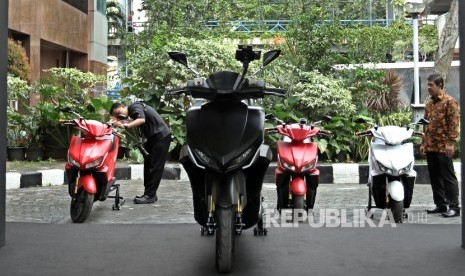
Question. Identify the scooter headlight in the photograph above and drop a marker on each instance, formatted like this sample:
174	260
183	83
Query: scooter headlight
241	158
384	169
94	164
287	166
406	169
73	162
309	166
204	159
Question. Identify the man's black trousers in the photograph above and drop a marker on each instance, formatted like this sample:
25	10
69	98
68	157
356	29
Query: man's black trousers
154	164
443	180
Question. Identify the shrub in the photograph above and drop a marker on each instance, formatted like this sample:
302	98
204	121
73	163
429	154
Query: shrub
320	95
18	62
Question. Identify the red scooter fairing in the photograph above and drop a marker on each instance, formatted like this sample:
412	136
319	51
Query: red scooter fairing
85	151
300	155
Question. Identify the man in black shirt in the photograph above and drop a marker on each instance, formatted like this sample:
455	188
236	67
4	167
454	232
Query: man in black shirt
158	139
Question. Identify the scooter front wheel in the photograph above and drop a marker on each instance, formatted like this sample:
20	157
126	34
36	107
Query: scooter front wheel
81	205
397	208
224	239
298	202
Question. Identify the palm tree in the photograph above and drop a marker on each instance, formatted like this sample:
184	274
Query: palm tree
116	19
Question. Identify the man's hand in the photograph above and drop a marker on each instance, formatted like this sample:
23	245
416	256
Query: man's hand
118	124
449	150
422	150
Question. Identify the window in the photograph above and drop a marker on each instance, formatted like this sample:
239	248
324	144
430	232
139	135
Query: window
102	6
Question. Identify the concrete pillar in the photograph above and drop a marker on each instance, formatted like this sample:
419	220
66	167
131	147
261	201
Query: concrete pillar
462	107
3	104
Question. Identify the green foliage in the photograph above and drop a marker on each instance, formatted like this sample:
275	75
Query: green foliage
17	131
18	62
116	19
377	91
17	89
321	95
312	41
67	87
205	56
343	145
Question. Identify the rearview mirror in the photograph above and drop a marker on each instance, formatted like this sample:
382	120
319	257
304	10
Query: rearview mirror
327	118
178	57
422	121
269	56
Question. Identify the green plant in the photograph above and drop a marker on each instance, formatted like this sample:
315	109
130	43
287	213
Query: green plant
18	62
321	95
18	91
16	131
65	87
343	145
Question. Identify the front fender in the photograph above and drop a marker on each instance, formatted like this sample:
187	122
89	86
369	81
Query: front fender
396	190
298	186
226	188
88	183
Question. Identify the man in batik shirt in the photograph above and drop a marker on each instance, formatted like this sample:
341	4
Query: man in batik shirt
441	110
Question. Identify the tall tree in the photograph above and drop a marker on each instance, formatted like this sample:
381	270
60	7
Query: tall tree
447	41
116	19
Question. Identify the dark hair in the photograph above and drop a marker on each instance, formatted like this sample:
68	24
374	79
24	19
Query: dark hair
437	79
115	106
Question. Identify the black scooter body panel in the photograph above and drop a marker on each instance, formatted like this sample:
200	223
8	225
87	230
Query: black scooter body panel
223	129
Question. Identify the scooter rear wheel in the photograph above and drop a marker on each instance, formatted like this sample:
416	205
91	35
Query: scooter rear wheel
81	206
224	239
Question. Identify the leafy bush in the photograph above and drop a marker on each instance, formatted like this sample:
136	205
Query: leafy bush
320	95
18	62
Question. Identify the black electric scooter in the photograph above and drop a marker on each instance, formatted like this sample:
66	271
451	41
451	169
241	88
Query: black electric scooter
224	155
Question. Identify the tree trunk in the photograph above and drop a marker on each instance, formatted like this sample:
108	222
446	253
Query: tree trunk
447	40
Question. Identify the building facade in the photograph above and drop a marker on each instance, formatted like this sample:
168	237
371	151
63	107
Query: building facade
61	33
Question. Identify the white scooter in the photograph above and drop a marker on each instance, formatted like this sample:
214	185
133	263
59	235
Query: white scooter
391	176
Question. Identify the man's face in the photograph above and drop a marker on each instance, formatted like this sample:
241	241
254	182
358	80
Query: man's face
122	110
433	89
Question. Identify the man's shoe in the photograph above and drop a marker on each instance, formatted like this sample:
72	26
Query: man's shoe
436	210
145	199
452	213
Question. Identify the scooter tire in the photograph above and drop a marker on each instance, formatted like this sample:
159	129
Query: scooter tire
298	202
397	208
81	206
225	233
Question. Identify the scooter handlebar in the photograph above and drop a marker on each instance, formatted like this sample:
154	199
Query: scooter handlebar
326	133
271	130
67	122
174	92
363	133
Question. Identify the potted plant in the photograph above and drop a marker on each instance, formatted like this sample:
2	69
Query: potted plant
34	135
16	136
18	90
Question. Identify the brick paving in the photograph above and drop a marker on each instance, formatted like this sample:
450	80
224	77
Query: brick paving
50	204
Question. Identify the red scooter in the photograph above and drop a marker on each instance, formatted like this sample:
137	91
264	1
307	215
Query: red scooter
297	175
91	166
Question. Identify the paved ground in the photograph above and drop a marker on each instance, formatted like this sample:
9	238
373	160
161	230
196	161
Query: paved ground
340	201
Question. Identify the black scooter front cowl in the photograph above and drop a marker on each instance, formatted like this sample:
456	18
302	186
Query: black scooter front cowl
223	134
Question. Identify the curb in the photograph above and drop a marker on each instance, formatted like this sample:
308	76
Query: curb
337	173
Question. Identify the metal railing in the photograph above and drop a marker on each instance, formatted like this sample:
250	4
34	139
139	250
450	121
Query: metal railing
272	26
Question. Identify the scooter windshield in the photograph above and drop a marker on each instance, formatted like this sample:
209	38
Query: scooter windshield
393	135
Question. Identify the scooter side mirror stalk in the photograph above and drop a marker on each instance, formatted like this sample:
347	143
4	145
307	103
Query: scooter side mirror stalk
181	58
268	57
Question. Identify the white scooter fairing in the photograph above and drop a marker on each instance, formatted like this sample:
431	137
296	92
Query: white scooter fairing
391	156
